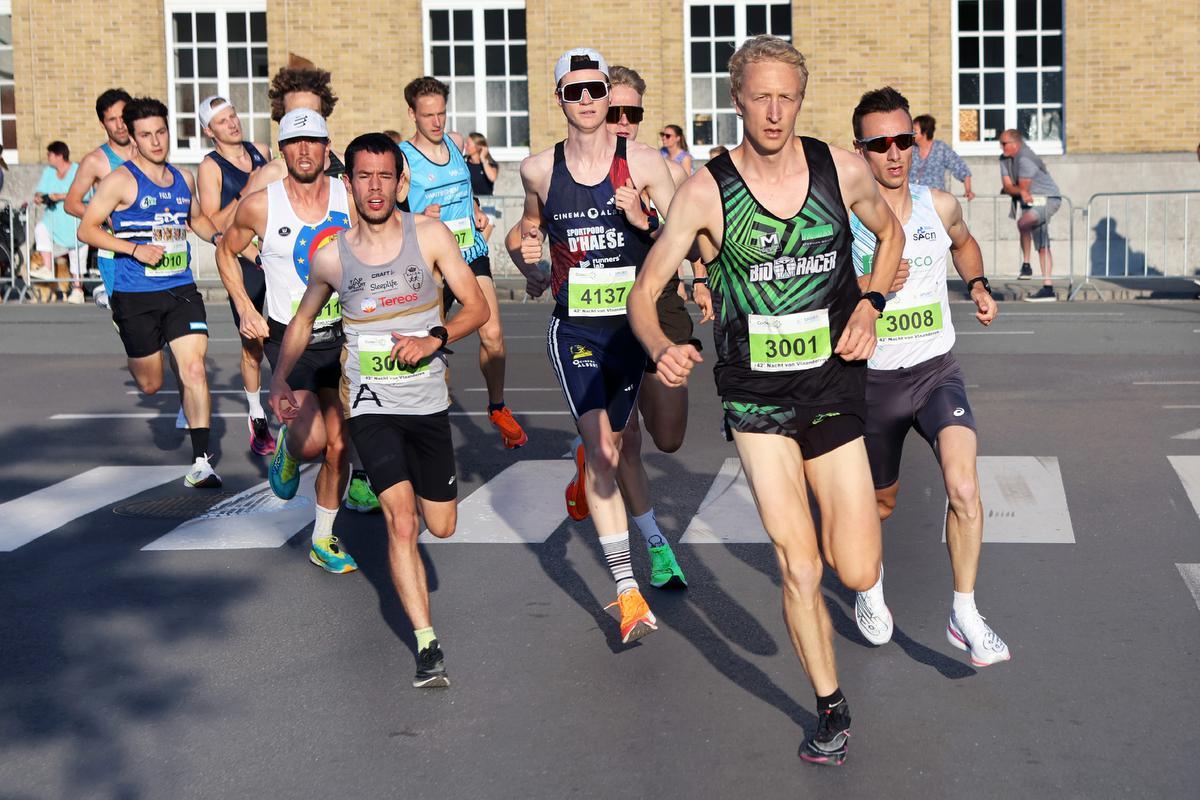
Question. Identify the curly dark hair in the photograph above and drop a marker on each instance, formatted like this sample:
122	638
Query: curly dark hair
301	79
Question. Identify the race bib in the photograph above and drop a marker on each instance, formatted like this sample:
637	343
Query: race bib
464	232
173	240
790	343
330	314
598	292
916	322
375	362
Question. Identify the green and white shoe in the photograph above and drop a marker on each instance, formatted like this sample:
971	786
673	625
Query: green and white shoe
664	569
360	497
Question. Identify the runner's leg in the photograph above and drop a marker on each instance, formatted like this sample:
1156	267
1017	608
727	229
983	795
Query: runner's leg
964	521
492	354
665	411
850	537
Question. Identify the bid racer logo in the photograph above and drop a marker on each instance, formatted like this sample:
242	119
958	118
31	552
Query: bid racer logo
311	238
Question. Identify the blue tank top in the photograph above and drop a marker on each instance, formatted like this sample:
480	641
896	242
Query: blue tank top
158	216
114	160
448	185
233	180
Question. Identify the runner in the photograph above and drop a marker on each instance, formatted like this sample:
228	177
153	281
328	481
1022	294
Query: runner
913	380
222	176
394	389
148	203
293	218
441	189
595	250
792	331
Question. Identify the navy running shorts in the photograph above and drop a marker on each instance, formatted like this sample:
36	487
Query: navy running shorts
598	367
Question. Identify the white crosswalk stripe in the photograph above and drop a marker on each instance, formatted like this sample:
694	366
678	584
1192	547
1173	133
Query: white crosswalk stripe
1023	501
1188	470
522	505
1191	577
727	514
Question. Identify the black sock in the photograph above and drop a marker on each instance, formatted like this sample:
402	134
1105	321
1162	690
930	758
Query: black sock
495	406
199	442
830	701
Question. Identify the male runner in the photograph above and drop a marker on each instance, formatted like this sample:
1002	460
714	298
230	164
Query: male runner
595	251
147	203
387	271
293	218
913	379
222	176
441	188
791	333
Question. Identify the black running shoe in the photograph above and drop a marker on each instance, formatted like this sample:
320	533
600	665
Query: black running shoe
431	668
1026	272
828	746
1042	295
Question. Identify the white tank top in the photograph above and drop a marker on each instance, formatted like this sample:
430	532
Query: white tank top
289	245
916	325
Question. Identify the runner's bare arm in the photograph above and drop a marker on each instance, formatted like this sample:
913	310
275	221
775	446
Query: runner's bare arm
198	221
85	178
249	220
535	177
273	170
325	271
117	190
208	181
964	250
652	175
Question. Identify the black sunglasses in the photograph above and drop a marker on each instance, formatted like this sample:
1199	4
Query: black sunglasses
632	113
881	144
573	92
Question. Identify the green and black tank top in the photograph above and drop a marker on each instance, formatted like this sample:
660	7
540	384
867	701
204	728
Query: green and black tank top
783	290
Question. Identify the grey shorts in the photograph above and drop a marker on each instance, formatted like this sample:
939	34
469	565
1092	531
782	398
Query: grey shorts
1041	234
930	396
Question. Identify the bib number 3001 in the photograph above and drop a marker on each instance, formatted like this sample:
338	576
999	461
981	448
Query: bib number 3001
598	292
790	343
375	362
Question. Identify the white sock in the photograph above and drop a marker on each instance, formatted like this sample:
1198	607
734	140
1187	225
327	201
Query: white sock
649	529
255	402
616	553
324	525
964	603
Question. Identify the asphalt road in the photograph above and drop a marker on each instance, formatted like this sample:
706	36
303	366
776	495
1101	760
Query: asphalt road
226	672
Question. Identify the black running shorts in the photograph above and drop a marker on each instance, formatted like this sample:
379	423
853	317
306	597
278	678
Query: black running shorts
317	367
148	321
480	268
674	319
930	396
817	429
394	448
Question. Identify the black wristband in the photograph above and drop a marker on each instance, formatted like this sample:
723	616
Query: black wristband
652	222
877	301
979	279
700	281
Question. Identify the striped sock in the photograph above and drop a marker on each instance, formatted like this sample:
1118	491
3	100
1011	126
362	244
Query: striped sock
616	553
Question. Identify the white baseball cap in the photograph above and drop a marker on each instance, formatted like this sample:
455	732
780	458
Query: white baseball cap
579	58
210	107
301	122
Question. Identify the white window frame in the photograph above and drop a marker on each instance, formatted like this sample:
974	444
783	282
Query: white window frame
992	148
739	36
477	7
196	153
11	154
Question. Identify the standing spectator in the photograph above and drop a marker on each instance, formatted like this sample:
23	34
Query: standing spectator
932	158
1025	178
484	170
675	147
55	232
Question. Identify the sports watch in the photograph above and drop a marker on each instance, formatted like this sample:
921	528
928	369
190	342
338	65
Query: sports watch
440	332
979	279
877	301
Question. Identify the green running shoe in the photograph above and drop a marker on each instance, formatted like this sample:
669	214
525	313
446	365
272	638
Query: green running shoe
327	553
664	569
360	497
284	472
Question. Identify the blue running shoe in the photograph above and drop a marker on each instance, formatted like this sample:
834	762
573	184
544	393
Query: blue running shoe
327	553
284	474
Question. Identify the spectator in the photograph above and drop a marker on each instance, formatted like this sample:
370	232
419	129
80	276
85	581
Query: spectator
1025	178
484	170
675	147
718	150
55	232
932	158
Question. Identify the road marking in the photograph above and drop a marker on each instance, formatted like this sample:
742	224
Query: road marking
1062	313
1166	383
1191	577
1023	501
1179	408
994	333
1193	434
171	416
522	505
253	518
45	510
1188	470
210	391
727	515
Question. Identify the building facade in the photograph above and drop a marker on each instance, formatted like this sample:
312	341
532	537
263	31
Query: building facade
1077	77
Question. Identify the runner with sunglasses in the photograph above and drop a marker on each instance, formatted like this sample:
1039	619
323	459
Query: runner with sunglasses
913	380
596	249
792	333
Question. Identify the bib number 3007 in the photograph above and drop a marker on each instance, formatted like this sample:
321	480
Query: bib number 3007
789	343
598	292
375	362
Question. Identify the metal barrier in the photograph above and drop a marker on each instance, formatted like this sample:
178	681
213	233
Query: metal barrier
991	229
18	278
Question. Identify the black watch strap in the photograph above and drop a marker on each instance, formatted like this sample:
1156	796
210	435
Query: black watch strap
979	279
440	332
699	281
877	300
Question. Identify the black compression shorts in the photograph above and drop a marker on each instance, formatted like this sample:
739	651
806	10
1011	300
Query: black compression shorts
394	448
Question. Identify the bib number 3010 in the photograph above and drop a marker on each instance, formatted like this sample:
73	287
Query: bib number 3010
598	292
789	343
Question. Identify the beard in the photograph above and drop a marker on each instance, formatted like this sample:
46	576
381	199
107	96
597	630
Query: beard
305	177
372	218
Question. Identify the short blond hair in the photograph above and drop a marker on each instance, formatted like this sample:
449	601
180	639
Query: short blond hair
626	76
765	48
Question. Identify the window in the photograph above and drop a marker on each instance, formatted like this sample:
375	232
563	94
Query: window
478	49
713	33
1008	68
8	99
216	48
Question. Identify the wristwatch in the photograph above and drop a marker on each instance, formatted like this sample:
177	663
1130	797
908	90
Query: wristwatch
979	279
699	281
877	301
440	332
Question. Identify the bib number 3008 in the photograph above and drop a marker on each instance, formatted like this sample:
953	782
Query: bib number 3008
375	362
598	292
909	323
789	343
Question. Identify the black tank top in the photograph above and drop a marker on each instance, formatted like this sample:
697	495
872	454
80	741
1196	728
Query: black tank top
233	180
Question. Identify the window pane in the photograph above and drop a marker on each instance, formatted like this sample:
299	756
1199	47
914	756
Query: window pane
464	60
702	129
8	130
520	131
497	132
439	25
723	21
516	60
441	60
1052	51
235	26
968	88
756	20
1026	16
239	95
464	97
993	51
262	104
206	62
727	128
185	100
1052	125
258	62
1052	15
183	64
497	96
1027	51
207	89
187	128
781	20
206	27
701	57
700	26
183	27
463	28
702	92
993	124
518	96
968	52
968	125
494	59
8	100
258	27
1027	86
993	88
723	52
993	15
262	129
516	23
721	93
493	23
968	15
1051	87
1027	123
239	63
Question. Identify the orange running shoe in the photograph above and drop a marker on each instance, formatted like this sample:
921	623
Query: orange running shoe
510	429
636	617
577	506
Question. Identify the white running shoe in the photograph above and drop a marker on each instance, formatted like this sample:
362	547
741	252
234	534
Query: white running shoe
181	423
872	615
75	298
100	296
972	634
202	475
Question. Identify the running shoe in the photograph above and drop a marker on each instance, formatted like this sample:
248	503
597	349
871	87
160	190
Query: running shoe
202	475
327	553
577	506
431	668
181	423
510	430
636	617
75	298
873	616
1026	272
664	569
359	496
1042	295
969	632
284	472
100	296
827	747
262	443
